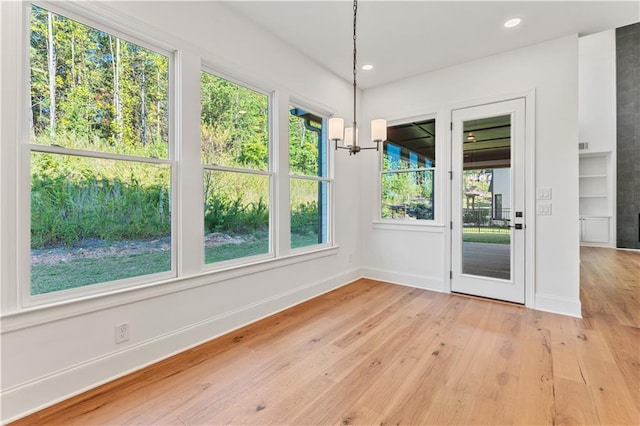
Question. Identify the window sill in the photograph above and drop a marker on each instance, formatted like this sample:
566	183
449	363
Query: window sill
412	226
37	315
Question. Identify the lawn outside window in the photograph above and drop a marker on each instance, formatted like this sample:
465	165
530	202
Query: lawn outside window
101	163
408	171
237	176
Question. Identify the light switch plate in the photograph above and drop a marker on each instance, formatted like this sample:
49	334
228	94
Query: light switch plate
543	208
543	194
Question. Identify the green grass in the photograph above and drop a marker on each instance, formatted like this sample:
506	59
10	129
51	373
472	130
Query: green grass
47	278
235	251
486	237
304	240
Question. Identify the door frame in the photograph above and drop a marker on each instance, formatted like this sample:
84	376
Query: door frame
512	288
530	184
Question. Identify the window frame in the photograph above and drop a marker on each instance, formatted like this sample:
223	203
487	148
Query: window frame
436	192
90	19
271	102
328	179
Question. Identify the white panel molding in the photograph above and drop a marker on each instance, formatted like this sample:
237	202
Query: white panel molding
402	278
32	396
558	305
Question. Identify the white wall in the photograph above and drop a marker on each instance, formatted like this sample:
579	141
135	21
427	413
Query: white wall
50	353
502	185
597	91
598	109
422	257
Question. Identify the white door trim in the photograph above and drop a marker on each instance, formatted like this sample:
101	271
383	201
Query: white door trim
530	152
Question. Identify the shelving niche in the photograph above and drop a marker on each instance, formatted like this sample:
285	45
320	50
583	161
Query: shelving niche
596	206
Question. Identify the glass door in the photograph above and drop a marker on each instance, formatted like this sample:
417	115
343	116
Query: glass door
488	227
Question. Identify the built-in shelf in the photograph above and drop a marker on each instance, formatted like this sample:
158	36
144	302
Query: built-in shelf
595	194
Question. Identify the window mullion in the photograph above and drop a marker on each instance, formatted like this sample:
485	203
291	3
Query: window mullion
237	170
283	189
52	149
190	218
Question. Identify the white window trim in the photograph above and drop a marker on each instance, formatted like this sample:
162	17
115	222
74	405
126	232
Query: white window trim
329	178
90	19
437	199
273	201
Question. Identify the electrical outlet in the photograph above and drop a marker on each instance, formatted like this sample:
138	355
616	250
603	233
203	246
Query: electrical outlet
122	332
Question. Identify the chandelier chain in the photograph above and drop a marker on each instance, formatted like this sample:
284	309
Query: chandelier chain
349	135
355	64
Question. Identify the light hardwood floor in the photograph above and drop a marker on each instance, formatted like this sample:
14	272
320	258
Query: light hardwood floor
376	353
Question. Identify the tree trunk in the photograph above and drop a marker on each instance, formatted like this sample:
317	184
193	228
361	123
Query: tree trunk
32	126
119	121
51	65
73	59
143	110
158	111
115	68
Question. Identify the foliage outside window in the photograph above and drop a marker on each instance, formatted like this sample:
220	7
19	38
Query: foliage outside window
408	169
235	157
309	181
100	158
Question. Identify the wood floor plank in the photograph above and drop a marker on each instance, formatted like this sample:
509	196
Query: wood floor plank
574	404
377	353
535	402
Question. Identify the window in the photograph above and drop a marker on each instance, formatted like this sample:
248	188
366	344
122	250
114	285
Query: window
237	177
309	181
101	158
408	169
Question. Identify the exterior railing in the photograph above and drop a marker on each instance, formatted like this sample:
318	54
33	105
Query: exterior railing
486	219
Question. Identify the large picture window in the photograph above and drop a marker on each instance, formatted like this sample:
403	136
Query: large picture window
101	161
237	175
408	170
309	179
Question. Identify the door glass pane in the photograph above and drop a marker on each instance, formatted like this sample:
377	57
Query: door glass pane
486	197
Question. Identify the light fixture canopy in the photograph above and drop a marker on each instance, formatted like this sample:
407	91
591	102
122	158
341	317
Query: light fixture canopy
349	136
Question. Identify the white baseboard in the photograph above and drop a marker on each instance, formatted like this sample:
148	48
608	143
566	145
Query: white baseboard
402	278
558	305
543	302
27	398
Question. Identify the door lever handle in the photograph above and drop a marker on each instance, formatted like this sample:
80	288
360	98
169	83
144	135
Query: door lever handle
517	226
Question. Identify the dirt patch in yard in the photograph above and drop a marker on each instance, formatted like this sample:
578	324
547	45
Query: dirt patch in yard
93	248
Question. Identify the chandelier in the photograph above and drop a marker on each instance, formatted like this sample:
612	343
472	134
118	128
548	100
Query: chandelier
349	136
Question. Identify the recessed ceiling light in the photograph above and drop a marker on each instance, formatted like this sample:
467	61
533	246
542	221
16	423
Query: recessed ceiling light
367	67
513	22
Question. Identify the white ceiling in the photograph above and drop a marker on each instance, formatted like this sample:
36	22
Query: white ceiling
405	38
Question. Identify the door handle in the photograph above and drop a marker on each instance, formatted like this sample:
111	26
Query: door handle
517	226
